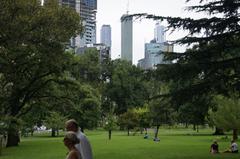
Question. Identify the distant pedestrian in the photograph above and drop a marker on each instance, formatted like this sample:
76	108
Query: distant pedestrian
214	147
84	147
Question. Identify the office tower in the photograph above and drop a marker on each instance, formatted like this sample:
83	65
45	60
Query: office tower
154	51
87	10
159	33
106	35
126	38
154	54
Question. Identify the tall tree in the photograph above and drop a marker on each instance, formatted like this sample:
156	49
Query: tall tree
110	121
55	121
161	113
128	120
144	118
194	112
32	54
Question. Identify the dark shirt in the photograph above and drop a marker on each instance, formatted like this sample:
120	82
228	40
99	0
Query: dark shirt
214	147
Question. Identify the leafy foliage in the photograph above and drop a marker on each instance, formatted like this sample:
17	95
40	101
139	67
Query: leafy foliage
227	115
126	87
32	53
55	121
128	120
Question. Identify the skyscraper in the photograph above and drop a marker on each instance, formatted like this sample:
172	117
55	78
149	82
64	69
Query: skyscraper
87	10
106	35
159	33
154	51
126	38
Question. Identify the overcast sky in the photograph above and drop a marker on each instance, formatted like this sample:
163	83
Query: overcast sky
110	11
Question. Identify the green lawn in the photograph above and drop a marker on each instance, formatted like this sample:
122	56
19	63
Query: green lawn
174	144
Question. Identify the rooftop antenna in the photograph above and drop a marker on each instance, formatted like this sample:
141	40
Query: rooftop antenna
127	6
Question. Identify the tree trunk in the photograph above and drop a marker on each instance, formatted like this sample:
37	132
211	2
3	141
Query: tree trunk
141	130
1	144
57	132
13	139
146	131
13	135
218	131
194	127
156	133
197	129
109	134
128	131
235	134
53	132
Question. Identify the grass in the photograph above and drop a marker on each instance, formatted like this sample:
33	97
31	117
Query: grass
174	144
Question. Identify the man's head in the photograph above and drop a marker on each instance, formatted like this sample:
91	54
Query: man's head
71	125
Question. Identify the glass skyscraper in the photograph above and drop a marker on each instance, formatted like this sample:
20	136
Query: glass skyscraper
87	10
106	35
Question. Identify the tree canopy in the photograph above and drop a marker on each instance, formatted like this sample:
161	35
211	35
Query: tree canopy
32	54
227	115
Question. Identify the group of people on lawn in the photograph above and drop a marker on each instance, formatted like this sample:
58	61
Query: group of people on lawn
232	149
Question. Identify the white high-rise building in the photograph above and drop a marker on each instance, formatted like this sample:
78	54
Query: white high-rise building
159	33
106	35
154	51
154	54
126	38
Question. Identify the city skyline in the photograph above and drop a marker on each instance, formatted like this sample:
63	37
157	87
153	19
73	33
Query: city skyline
110	12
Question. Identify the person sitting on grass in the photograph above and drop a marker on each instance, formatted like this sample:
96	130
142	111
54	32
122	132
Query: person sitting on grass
214	147
233	148
70	140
